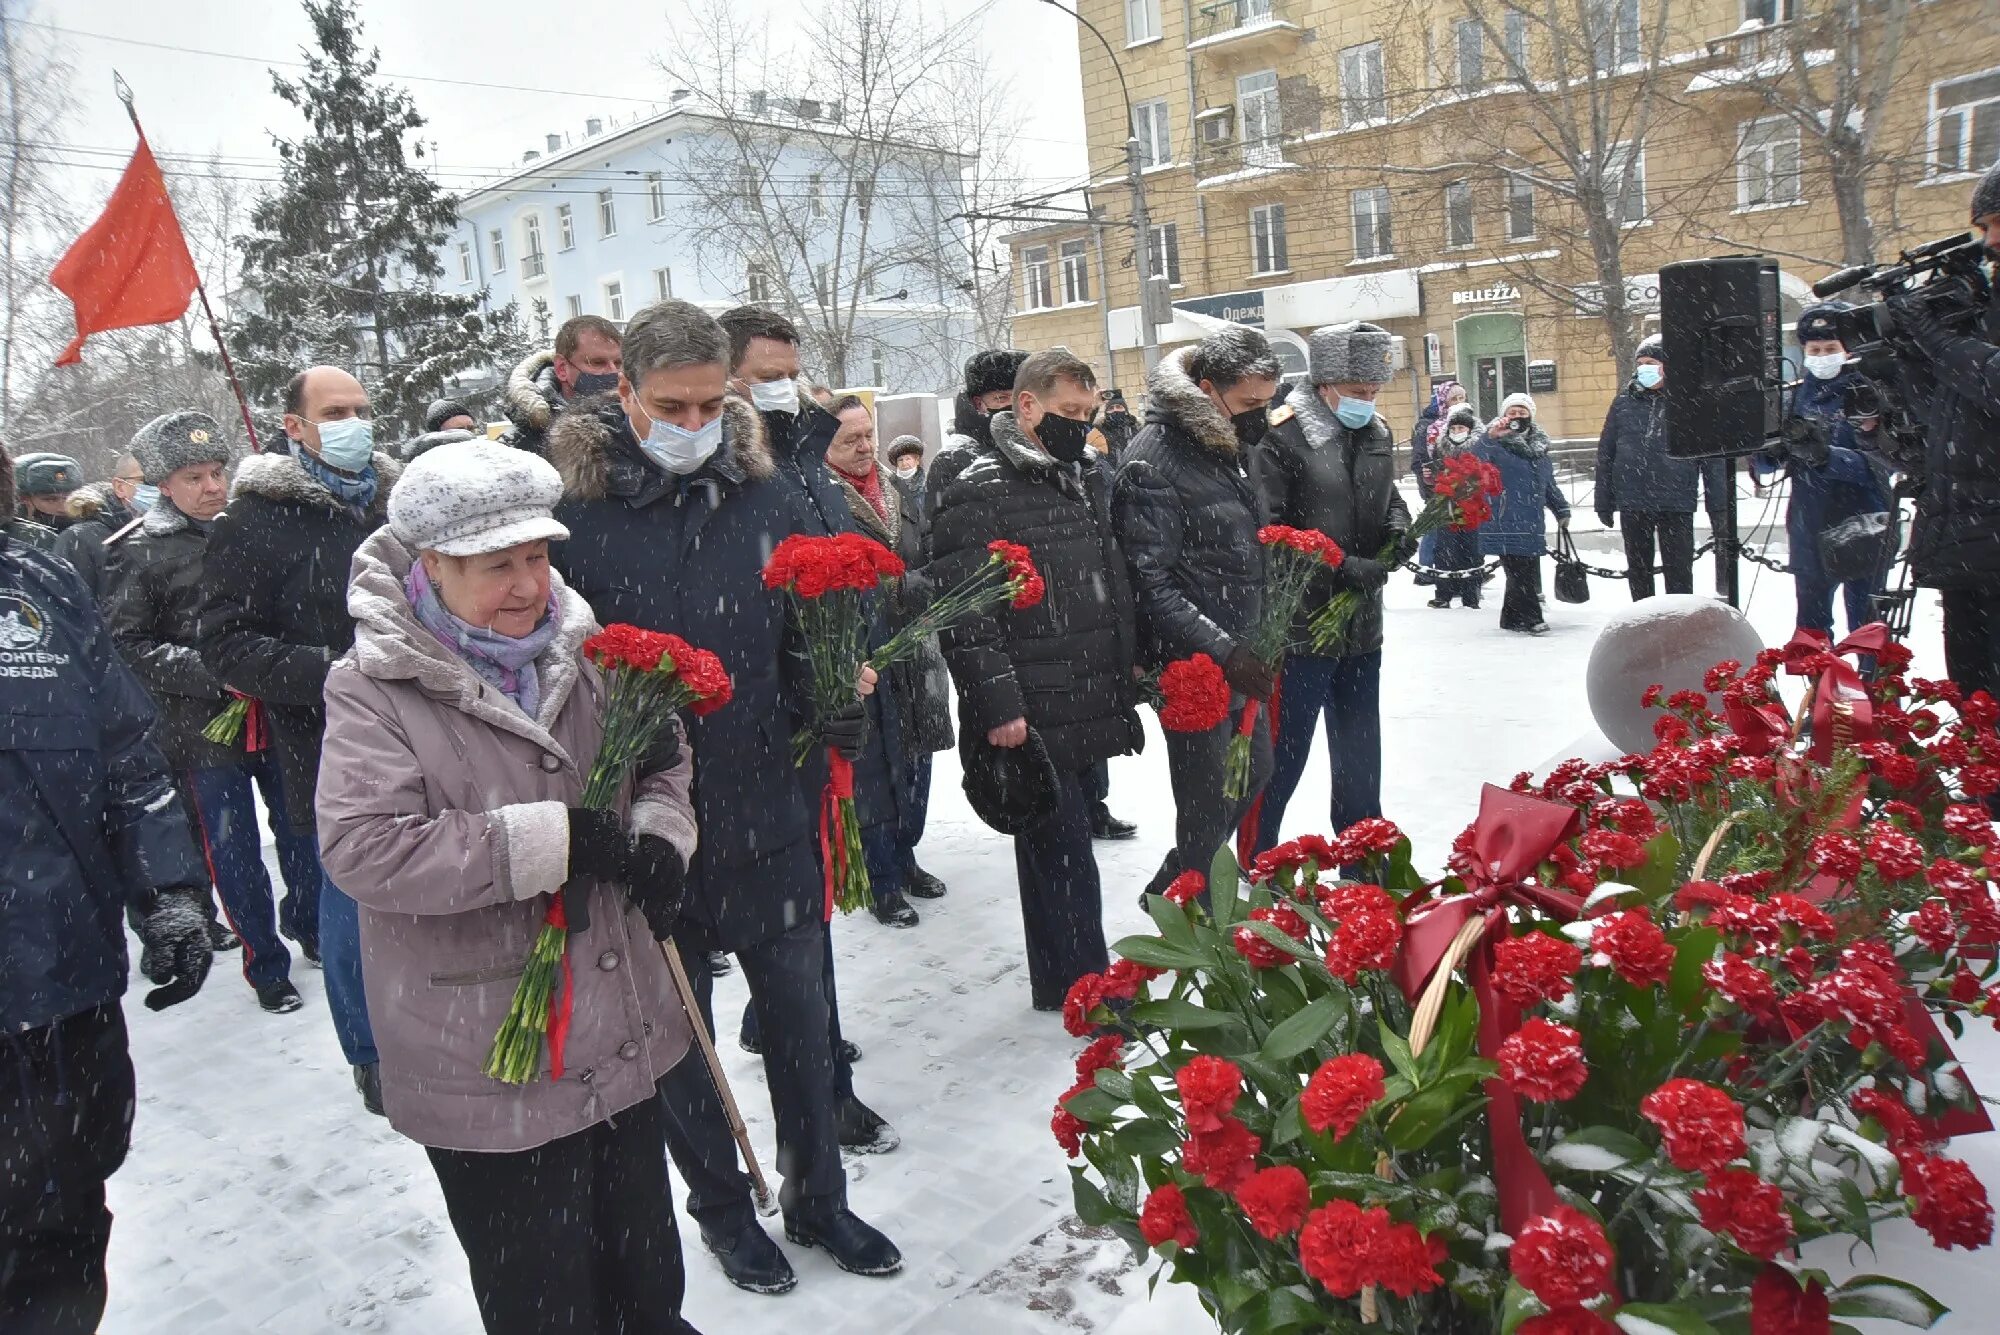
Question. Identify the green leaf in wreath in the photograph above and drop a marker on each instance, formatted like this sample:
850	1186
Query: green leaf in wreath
1597	1149
1661	1319
1147	1138
1225	884
1172	920
1889	1299
1091	1207
1093	1105
1685	986
1156	953
1289	1038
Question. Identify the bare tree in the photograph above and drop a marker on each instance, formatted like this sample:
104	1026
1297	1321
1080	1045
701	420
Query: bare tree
34	213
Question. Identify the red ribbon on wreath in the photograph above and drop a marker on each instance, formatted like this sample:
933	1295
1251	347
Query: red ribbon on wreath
1840	701
834	854
562	1008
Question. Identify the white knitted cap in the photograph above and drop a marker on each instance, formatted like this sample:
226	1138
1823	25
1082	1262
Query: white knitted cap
472	497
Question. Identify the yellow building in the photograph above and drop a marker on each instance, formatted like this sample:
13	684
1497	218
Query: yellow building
1307	162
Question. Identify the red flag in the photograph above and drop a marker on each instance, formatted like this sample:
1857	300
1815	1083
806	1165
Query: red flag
132	267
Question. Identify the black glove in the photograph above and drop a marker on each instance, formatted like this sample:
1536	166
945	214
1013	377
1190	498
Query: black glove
598	846
178	947
1607	518
1249	674
847	731
1406	547
1917	318
1363	573
656	884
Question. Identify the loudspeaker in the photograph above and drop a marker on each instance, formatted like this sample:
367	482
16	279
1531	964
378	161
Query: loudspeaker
1723	331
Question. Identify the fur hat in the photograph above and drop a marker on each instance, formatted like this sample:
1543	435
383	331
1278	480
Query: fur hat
173	441
1464	413
903	445
992	369
1357	353
474	496
1819	321
1653	349
1986	197
46	474
441	411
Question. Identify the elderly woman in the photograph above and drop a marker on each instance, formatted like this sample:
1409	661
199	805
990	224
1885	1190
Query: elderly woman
460	729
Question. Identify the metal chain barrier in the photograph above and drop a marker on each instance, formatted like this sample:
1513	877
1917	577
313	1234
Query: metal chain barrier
1746	550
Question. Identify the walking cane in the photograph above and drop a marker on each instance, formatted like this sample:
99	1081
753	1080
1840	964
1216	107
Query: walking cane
767	1203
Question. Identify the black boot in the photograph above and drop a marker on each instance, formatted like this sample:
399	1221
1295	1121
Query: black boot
280	997
1104	825
751	1261
220	938
922	884
892	910
854	1246
849	1051
864	1130
718	964
368	1079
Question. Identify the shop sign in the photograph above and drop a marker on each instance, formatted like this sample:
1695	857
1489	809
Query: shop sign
1541	377
1245	308
1642	296
1486	296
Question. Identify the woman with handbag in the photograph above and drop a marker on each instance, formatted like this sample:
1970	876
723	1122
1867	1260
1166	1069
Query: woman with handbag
1520	450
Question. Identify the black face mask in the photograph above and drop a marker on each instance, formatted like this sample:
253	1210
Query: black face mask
1065	438
1250	426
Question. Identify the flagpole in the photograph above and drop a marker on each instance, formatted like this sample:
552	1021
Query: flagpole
214	328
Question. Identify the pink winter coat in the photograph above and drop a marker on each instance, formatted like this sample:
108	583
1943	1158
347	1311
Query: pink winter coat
442	811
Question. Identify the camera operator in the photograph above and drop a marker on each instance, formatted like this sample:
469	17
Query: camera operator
1838	484
1955	547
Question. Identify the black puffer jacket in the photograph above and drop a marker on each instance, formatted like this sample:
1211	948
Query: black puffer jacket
1187	516
274	610
971	436
98	516
1636	475
152	607
1065	665
1956	540
1315	473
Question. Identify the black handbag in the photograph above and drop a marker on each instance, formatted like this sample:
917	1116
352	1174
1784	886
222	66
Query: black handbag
1858	547
1572	582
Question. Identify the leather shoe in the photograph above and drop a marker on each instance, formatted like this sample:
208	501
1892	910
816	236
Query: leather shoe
751	1261
864	1130
854	1246
895	911
922	884
368	1079
1104	825
718	964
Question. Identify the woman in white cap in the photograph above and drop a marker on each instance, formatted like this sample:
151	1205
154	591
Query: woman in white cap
460	729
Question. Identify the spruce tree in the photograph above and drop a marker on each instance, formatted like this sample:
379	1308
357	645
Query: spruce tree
342	266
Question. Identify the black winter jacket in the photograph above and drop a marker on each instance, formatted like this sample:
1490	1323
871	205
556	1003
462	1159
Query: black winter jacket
1315	473
1065	664
89	824
1187	516
274	610
153	608
99	516
1636	475
1956	540
970	437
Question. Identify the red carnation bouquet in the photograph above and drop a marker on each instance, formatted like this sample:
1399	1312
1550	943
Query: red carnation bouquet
652	675
1293	557
1191	694
1460	501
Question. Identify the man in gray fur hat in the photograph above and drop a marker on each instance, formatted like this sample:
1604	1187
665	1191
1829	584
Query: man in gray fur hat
1328	463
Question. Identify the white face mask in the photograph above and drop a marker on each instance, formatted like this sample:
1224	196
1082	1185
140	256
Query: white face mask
775	396
906	470
1461	433
1826	365
678	450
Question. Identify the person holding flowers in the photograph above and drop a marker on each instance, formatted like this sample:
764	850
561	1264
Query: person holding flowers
453	806
674	504
1045	682
1328	463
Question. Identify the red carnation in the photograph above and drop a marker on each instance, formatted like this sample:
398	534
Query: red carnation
1609	848
1347	1248
1898	1123
1124	978
1700	1126
1968	822
1895	853
1543	1061
1562	1258
1535	967
1837	854
1345	900
1951	1203
1374	835
1165	1218
1085	995
1209	1088
1741	983
707	678
1341	1092
1262	954
1632	943
1275	1199
1363	941
1748	1209
1779	1306
1222	1158
1650	697
1069	1129
1306	541
1187	888
1195	694
1567	1321
1022	577
1101	1055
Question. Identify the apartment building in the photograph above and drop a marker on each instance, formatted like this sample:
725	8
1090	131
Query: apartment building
1419	165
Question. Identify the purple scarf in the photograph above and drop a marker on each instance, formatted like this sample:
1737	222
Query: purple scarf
503	662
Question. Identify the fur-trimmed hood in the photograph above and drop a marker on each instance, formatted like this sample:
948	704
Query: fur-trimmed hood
884	525
95	500
532	396
1171	397
277	475
1011	443
592	446
163	519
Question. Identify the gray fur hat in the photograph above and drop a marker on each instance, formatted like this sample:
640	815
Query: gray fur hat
1357	353
173	441
472	497
43	473
1986	196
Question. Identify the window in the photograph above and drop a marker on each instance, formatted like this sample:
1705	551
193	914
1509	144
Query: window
864	199
656	197
1458	215
663	284
1520	208
572	307
1767	163
1037	292
1768	12
1154	133
746	181
815	204
1075	273
1372	238
1362	95
531	246
1625	183
1142	20
614	299
465	261
607	214
1516	35
1163	253
757	283
497	243
1615	33
1257	118
565	228
1267	239
1965	123
1469	39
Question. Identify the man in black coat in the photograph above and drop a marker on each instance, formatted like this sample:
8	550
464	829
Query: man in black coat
1062	668
1650	493
673	504
88	827
989	388
583	362
274	617
152	607
1328	463
100	513
1187	514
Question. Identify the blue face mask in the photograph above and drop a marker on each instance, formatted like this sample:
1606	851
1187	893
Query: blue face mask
348	444
678	450
144	497
1649	377
1354	413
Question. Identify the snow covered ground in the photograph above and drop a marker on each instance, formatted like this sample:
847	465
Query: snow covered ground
259	1197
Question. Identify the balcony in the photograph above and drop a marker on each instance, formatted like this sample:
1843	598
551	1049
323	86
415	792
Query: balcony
1232	168
1243	28
532	266
1756	53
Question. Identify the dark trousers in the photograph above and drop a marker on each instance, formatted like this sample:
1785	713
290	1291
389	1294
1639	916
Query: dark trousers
575	1235
788	990
1972	645
1521	607
1062	903
915	813
65	1124
340	957
1675	533
1100	784
1347	694
843	1071
235	852
1815	600
1204	819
